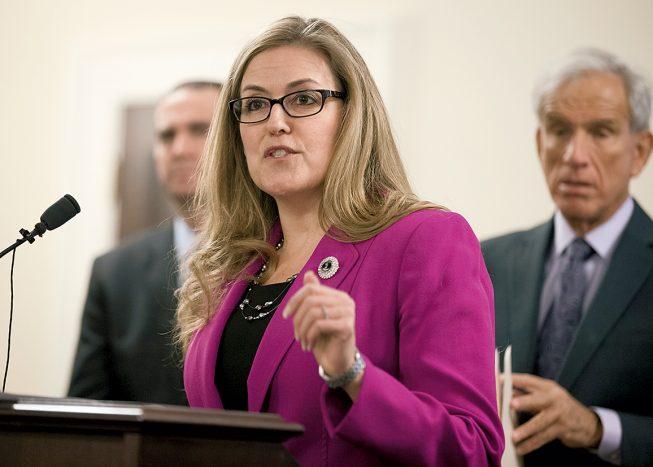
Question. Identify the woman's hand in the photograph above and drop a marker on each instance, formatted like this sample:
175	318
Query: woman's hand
323	319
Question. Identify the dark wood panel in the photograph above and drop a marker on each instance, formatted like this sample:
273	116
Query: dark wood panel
38	432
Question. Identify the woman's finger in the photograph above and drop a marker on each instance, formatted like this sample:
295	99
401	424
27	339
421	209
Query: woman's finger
312	309
310	278
311	285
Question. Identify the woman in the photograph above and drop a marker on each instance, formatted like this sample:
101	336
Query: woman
387	357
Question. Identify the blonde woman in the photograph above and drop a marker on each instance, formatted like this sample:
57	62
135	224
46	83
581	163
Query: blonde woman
323	289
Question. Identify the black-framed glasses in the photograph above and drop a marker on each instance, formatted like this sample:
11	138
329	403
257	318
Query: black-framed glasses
297	104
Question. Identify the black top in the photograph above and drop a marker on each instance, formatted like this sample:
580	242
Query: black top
239	343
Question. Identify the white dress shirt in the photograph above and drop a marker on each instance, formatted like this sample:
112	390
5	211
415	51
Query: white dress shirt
184	240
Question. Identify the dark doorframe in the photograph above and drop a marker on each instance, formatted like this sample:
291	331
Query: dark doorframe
142	200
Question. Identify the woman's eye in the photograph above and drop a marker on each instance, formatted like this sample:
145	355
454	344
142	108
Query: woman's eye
253	105
304	99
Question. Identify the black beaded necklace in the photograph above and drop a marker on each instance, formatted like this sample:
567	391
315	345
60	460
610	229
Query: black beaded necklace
261	310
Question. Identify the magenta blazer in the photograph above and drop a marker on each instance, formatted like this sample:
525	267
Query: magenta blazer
425	327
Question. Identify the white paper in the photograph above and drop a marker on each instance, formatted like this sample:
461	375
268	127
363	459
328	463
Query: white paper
508	418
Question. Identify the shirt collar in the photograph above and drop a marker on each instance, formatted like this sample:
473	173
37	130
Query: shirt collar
602	238
183	237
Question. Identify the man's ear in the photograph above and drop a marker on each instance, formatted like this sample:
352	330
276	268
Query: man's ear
538	143
643	147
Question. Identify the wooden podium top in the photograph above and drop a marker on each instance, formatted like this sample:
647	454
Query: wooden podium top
146	434
138	417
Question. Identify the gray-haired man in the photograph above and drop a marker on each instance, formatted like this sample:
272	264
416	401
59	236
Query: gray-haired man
574	296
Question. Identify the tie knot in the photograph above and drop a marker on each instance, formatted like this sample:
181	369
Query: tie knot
579	249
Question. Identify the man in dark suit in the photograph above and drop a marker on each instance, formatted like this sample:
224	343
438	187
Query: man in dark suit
574	296
125	350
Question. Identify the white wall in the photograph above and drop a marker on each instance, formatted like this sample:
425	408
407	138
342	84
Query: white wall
67	68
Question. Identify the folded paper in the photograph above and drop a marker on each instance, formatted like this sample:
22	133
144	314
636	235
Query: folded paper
508	418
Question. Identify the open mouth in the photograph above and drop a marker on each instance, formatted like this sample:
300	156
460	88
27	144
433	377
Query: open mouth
279	152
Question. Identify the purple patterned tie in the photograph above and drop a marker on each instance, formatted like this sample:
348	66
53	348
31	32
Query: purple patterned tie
566	311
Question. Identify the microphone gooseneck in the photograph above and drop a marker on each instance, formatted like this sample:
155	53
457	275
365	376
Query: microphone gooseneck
55	216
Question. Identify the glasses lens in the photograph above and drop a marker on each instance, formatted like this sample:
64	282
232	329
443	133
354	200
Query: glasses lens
303	103
251	109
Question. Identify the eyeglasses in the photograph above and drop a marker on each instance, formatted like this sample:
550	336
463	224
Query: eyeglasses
297	104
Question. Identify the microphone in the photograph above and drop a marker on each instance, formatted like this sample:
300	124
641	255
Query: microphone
60	212
55	216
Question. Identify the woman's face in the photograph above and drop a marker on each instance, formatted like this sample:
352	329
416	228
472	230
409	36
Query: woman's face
288	157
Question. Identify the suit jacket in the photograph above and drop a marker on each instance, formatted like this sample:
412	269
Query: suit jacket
424	325
610	361
125	351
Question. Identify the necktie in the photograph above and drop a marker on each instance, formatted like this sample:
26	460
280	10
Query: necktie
566	312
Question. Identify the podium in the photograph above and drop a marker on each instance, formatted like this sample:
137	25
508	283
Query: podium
37	431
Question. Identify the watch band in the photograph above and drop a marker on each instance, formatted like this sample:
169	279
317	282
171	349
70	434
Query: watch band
348	376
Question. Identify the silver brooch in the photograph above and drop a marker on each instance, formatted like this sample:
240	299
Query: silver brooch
328	267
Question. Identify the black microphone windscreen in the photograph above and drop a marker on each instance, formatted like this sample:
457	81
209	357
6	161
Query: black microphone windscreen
60	212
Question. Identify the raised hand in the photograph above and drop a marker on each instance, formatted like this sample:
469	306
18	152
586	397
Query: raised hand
324	323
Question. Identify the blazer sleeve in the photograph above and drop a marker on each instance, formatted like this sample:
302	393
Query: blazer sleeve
92	365
637	439
440	408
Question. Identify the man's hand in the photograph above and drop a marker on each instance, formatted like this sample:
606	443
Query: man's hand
556	414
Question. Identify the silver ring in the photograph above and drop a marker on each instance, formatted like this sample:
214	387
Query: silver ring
325	315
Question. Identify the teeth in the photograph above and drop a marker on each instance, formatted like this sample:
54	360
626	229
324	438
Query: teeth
279	153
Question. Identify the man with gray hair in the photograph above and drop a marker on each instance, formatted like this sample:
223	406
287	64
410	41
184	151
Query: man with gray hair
574	296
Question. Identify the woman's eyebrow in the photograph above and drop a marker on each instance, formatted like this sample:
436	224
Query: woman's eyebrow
298	82
253	87
292	84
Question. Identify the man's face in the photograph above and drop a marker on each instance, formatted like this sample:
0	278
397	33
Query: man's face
587	150
181	121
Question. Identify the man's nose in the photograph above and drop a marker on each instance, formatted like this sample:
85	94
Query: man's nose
183	144
578	149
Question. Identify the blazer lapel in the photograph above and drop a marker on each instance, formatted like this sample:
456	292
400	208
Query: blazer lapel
161	271
205	366
526	279
631	264
206	361
279	335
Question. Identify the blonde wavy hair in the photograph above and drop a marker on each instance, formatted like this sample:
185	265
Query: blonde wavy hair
365	190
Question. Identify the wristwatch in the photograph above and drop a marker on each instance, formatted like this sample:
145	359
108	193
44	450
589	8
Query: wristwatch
348	376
